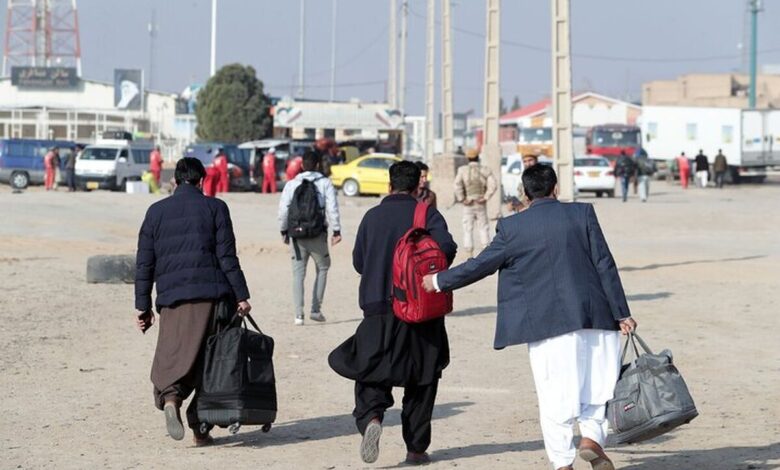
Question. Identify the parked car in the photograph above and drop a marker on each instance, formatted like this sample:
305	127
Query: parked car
364	175
238	161
21	160
594	174
286	149
110	164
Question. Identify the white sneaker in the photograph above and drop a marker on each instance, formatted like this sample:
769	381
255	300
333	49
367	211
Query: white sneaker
317	316
298	321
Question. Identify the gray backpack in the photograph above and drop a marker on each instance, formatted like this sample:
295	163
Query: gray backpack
651	397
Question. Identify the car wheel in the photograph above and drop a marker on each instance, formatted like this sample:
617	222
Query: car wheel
611	193
351	188
20	180
599	194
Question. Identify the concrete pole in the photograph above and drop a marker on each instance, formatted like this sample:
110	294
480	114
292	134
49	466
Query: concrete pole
301	49
447	133
563	151
333	52
429	77
392	59
491	151
755	7
402	58
213	68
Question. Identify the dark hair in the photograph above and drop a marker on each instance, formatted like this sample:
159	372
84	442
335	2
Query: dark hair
189	170
422	166
310	160
539	181
404	176
623	152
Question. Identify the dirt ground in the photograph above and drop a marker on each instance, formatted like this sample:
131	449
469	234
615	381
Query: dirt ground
701	269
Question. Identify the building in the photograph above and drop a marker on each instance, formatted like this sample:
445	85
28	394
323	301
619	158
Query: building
712	90
82	110
354	119
588	109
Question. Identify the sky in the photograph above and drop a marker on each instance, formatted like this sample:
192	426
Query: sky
616	44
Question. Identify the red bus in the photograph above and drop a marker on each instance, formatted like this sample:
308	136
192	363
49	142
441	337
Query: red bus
608	140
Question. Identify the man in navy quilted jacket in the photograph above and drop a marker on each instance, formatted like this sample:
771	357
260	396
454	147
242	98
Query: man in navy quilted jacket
186	247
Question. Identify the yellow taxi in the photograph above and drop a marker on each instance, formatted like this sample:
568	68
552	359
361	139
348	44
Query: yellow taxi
365	175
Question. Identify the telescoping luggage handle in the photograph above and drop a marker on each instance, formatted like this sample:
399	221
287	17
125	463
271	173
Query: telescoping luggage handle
633	338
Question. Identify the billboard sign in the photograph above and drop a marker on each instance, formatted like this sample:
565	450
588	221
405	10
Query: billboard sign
44	77
128	89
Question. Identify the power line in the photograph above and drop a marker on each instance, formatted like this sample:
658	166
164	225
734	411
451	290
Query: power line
600	57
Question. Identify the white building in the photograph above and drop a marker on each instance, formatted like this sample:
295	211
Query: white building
588	109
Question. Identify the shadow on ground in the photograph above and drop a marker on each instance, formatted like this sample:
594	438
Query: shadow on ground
652	296
474	311
649	267
324	427
731	458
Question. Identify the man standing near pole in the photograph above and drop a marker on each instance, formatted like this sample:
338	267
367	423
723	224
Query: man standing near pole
156	164
474	185
269	171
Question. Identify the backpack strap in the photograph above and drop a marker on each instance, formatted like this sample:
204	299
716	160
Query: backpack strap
420	215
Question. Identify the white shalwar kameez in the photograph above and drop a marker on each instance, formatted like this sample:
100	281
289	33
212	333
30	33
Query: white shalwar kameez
575	375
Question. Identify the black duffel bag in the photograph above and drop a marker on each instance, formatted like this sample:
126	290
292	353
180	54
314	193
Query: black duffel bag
651	397
238	384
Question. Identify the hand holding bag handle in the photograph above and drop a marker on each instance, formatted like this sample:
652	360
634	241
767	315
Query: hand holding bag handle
633	338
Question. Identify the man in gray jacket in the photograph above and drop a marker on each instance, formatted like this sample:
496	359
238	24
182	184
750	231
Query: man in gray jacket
315	247
559	291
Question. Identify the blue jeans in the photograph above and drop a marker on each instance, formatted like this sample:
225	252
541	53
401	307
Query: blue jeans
624	181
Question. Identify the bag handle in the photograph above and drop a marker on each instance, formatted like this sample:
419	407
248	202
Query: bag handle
420	214
633	338
252	322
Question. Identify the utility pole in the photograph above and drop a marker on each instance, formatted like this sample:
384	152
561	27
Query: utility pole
429	77
392	60
755	7
213	37
333	52
491	151
447	132
402	59
563	151
302	49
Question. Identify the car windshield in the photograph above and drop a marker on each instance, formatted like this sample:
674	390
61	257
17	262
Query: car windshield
516	167
591	162
542	134
98	153
615	138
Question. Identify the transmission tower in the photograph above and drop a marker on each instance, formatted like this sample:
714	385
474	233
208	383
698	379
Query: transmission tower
42	33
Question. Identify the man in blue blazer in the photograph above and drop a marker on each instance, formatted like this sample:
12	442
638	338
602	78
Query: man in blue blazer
558	291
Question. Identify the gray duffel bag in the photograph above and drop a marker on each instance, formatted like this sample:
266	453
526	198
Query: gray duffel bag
651	397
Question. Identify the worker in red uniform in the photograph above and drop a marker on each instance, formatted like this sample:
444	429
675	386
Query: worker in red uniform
223	179
156	164
269	171
49	164
685	169
294	167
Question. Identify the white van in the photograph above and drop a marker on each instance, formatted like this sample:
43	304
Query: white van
110	164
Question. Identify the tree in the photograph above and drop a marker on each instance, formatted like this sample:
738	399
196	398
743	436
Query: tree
501	107
516	104
232	107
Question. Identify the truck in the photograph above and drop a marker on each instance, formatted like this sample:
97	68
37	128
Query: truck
749	138
609	140
535	141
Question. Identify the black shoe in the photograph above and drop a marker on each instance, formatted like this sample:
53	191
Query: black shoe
415	458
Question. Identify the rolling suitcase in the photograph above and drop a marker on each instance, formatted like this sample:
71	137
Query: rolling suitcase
238	387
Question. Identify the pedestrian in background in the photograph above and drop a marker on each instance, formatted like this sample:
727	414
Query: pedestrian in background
645	169
70	166
48	166
424	193
187	248
625	169
294	167
702	169
269	171
315	247
57	164
720	166
474	185
223	176
684	167
156	164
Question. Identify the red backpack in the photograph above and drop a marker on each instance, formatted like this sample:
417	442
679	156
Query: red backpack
416	255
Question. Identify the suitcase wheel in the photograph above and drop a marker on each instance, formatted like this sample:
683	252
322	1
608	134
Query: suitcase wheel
266	427
233	428
204	428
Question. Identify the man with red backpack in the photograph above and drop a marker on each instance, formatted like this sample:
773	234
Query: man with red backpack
386	352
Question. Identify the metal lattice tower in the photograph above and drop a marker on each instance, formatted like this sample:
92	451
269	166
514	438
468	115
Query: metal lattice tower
42	33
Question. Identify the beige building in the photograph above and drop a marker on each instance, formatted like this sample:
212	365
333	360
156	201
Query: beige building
713	90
